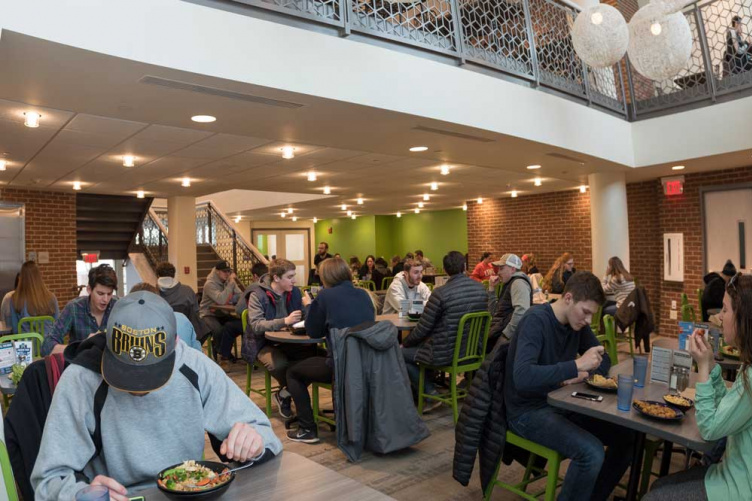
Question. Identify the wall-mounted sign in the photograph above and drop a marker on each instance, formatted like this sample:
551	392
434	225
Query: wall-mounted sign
673	185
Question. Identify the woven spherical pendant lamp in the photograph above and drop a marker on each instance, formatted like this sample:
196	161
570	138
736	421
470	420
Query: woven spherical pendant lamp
600	36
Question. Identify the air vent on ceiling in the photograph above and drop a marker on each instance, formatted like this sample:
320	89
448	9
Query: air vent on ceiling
213	91
564	157
453	134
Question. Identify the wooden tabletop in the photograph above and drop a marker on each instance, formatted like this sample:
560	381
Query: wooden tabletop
403	324
4	329
229	308
289	337
683	433
289	476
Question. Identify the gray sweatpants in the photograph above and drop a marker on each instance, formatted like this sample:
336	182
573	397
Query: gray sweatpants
688	485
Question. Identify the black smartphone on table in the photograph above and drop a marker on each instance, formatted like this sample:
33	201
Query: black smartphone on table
587	396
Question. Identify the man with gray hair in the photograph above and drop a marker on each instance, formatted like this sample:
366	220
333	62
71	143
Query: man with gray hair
516	297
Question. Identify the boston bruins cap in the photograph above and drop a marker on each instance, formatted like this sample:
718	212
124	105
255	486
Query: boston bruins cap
141	339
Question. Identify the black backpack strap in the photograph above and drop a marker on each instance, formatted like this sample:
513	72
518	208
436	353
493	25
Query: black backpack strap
99	397
191	375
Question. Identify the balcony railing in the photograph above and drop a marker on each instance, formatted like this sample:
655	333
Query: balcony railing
531	41
152	239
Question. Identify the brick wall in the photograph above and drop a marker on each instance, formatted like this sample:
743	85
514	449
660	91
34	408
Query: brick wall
546	225
51	227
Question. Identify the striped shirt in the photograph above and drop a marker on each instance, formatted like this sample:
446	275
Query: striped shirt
619	289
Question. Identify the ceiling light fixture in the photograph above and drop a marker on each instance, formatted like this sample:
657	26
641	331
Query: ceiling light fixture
311	175
421	204
186	183
464	206
284	214
399	214
3	165
327	190
237	219
203	119
533	167
538	181
677	167
140	194
360	201
417	211
444	170
480	200
434	186
426	197
349	213
288	152
76	185
32	119
289	210
353	216
129	161
583	189
315	220
418	149
514	193
294	218
344	207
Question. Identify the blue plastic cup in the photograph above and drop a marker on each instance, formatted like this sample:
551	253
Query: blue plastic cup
640	370
93	493
624	393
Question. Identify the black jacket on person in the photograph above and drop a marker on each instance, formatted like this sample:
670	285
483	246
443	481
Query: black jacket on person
436	331
183	300
712	295
376	275
557	286
502	314
636	310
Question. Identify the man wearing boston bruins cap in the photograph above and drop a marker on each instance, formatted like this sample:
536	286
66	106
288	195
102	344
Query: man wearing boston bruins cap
136	400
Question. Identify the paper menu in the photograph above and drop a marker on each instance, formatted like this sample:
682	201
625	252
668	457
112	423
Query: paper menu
660	365
7	357
23	351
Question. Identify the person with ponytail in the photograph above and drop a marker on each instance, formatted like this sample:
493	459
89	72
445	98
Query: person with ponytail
31	298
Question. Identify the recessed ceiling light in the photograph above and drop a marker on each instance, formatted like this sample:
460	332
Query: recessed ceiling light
32	119
426	197
417	211
289	210
327	190
464	206
140	194
677	167
186	183
3	165
514	193
480	200
344	207
353	216
418	149
349	213
444	170
312	175
538	181
284	214
237	219
204	119
399	214
434	186
315	220
420	204
533	167
294	218
360	201
288	152
76	185
583	189
129	161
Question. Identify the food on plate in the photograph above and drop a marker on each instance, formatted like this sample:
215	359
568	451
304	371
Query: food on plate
192	477
655	409
16	371
603	382
730	351
677	400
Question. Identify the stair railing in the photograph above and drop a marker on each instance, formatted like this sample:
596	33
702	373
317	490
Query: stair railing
152	239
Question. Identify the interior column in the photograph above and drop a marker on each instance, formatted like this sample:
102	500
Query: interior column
609	222
181	248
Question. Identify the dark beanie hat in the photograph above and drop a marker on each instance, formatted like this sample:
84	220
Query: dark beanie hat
729	269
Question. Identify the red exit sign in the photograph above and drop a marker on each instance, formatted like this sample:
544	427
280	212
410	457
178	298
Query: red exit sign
673	185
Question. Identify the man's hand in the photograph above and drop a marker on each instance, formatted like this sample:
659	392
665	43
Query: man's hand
493	280
702	352
306	299
117	491
590	360
293	317
581	376
232	277
243	443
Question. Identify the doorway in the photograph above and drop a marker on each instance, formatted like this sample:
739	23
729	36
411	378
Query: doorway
728	232
293	245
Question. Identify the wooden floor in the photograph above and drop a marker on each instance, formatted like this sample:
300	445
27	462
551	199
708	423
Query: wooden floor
421	472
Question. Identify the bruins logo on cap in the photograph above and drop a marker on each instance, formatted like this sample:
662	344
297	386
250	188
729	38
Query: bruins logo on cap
138	343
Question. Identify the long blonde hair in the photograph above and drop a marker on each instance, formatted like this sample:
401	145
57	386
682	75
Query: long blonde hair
557	270
32	292
617	270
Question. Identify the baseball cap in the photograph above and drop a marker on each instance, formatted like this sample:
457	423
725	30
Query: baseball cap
509	260
141	339
223	266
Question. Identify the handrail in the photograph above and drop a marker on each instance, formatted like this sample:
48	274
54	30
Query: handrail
157	220
252	248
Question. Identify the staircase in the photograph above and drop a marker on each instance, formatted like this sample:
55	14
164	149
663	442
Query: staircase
206	258
108	224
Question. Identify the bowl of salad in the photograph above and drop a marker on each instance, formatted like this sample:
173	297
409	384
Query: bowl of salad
195	480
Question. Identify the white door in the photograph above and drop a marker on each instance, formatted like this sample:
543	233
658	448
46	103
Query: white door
728	228
292	245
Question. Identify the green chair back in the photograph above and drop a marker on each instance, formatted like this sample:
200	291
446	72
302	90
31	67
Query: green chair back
486	284
473	330
499	289
684	299
688	313
608	340
430	286
595	323
35	324
699	298
386	282
367	284
36	338
10	483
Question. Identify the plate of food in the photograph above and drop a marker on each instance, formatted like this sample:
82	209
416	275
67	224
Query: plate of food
413	316
602	383
195	480
658	410
730	351
678	401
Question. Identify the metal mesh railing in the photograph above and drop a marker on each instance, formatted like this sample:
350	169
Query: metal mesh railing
327	11
152	240
731	71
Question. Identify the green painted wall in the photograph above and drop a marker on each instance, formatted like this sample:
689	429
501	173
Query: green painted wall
435	233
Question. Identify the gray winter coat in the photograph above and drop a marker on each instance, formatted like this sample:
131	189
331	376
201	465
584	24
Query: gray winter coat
217	292
373	401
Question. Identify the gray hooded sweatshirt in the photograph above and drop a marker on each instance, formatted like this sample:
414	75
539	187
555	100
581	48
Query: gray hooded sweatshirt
218	292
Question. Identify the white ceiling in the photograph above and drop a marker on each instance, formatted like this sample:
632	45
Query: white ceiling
94	110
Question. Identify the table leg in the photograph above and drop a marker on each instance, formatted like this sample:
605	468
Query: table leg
668	448
636	469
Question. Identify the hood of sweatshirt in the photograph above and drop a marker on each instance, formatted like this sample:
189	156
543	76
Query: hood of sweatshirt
378	335
87	353
264	283
711	276
165	284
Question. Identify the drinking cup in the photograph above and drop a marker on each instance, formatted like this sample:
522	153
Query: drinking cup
624	393
93	493
640	370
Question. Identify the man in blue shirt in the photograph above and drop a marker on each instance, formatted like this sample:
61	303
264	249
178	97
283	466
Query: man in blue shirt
543	356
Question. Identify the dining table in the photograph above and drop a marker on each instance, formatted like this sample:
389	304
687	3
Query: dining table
684	432
288	476
730	365
5	329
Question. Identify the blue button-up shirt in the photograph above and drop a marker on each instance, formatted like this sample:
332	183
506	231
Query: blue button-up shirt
76	319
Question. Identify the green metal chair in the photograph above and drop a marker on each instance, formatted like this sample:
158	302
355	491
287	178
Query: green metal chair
532	473
268	390
35	324
688	313
318	416
700	291
475	340
486	284
608	340
367	284
499	289
595	322
386	282
430	286
684	299
10	483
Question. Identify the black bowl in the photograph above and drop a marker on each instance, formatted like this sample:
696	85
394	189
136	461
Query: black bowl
212	493
413	316
678	414
685	408
589	382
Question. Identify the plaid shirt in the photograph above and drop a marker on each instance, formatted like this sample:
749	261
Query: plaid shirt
76	319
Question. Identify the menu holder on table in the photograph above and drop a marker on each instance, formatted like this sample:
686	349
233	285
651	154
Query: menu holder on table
660	365
14	352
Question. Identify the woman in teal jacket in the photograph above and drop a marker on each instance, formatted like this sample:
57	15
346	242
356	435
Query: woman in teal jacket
721	412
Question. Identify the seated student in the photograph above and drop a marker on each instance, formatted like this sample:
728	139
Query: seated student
400	265
720	412
423	260
31	298
515	300
5	305
273	304
557	276
715	287
433	339
258	270
338	306
529	264
382	268
181	297
85	315
484	269
542	357
406	285
220	289
321	255
617	282
159	399
186	332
